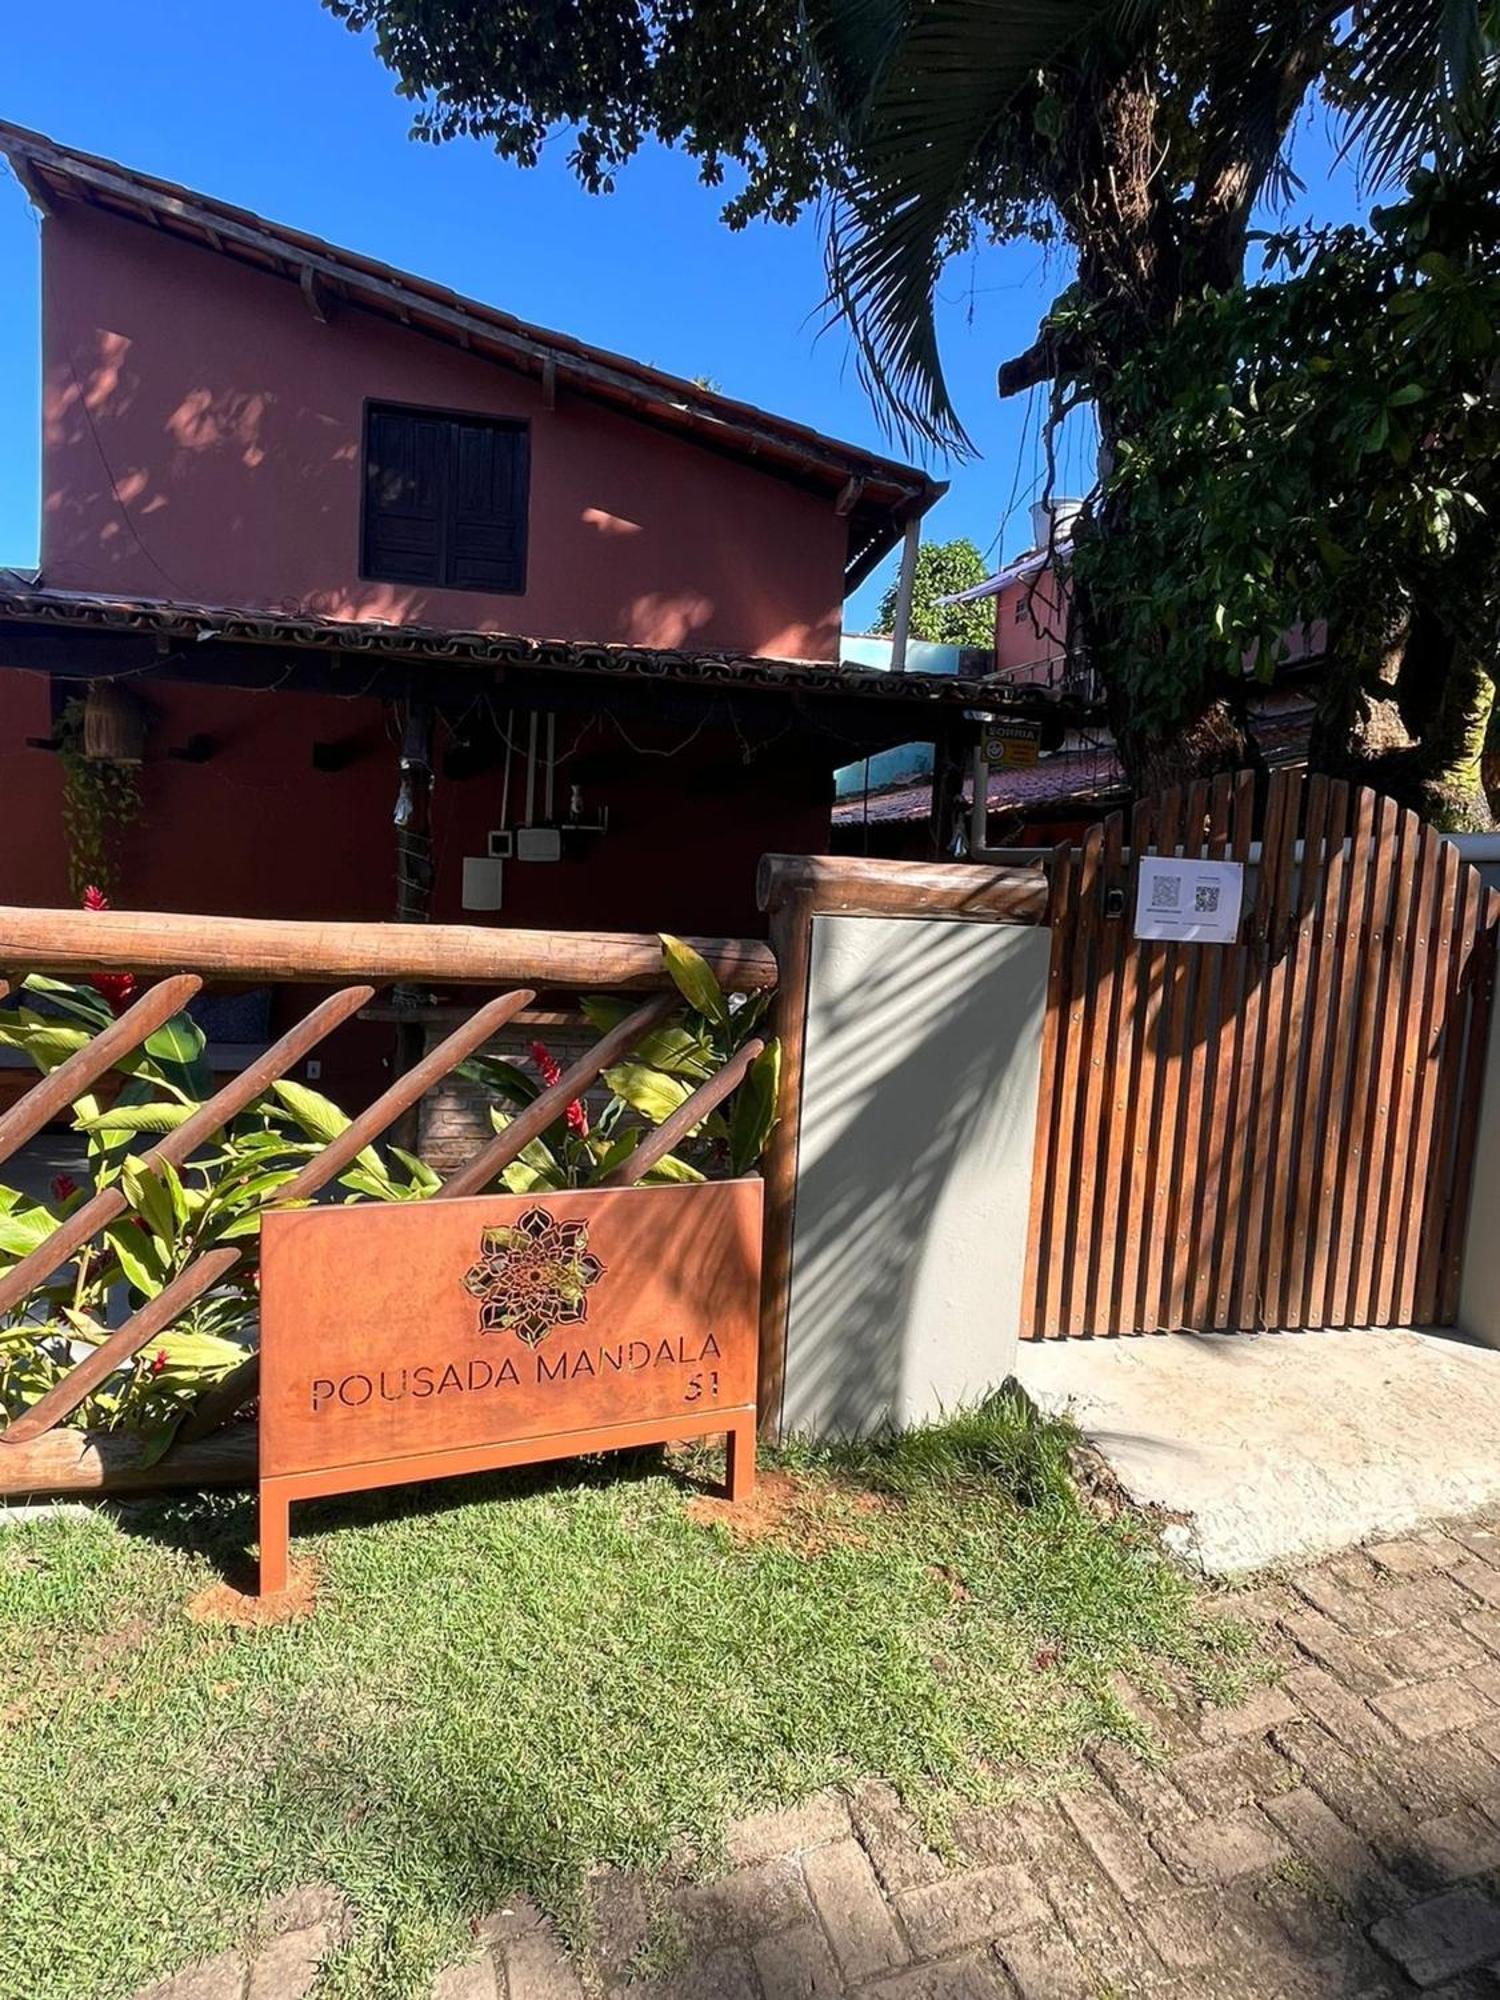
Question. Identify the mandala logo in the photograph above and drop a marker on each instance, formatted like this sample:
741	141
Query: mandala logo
533	1275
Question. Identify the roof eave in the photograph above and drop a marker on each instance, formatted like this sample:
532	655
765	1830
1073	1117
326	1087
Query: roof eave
885	487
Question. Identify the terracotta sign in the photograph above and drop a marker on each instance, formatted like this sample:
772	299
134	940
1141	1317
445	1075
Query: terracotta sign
404	1341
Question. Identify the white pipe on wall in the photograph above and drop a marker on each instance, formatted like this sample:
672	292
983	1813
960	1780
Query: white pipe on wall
904	588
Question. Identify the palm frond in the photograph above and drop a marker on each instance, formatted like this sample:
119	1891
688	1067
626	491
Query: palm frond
1424	77
922	92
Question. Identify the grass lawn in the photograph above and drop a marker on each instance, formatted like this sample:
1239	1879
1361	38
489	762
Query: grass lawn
505	1680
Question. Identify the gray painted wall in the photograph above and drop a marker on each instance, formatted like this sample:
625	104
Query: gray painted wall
919	1103
1479	1288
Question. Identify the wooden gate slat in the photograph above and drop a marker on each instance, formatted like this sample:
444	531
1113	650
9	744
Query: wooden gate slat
1392	977
1080	1004
1039	1235
1146	1183
1322	1004
1349	1217
1127	1151
1171	1055
1278	855
1297	983
1095	1244
1329	1128
1400	1007
1222	1106
1200	1139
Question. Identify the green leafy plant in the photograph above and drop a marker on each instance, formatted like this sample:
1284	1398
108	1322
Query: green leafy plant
214	1201
646	1088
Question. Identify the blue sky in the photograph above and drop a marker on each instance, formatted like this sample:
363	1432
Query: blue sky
275	105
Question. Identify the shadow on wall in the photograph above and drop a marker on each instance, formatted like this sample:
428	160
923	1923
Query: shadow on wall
912	1202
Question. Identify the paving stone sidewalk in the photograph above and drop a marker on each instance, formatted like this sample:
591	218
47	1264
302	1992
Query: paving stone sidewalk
1336	1836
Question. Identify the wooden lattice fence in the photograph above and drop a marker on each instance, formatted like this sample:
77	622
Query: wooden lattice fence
39	1451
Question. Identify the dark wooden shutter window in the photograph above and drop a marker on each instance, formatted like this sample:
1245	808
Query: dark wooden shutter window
445	500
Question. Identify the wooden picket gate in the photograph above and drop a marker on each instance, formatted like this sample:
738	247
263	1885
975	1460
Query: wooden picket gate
1278	1132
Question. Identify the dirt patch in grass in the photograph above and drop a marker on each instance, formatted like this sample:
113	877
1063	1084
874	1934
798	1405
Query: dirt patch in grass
791	1511
223	1604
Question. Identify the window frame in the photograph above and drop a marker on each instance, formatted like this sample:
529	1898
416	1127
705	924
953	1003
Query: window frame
438	413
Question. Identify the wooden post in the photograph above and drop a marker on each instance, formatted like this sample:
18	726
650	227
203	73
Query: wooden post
413	822
947	793
791	940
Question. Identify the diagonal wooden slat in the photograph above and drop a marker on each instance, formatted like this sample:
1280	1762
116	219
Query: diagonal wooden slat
491	1161
86	1376
220	1403
110	1203
72	1079
692	1111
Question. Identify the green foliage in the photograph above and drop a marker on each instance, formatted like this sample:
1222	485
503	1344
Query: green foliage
1323	443
942	569
101	799
218	1199
548	1671
658	1076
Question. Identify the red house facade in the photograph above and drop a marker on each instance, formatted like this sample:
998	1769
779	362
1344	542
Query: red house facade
389	603
291	496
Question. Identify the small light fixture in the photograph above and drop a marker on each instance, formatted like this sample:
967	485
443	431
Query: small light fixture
114	725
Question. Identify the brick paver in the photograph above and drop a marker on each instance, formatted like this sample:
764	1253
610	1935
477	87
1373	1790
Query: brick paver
1334	1837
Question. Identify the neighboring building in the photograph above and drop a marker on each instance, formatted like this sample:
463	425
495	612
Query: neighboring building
1080	777
302	513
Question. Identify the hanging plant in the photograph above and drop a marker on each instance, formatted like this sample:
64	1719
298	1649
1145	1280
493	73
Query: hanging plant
101	799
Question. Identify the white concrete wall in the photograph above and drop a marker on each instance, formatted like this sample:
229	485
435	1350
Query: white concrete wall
1479	1287
919	1102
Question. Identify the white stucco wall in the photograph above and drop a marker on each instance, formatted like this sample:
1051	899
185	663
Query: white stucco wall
919	1102
1479	1288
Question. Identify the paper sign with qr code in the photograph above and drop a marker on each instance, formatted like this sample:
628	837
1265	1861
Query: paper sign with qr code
1193	902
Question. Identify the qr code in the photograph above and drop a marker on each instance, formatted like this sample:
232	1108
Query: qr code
1166	892
1206	898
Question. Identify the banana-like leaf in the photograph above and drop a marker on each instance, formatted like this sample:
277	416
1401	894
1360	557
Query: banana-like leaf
670	1168
322	1119
650	1091
150	1197
179	1041
501	1078
128	1120
81	1002
423	1179
616	1153
753	1114
693	977
140	1256
47	1044
23	1230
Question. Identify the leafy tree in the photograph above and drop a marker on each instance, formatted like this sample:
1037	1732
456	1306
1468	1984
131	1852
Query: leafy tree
1329	443
1142	132
942	569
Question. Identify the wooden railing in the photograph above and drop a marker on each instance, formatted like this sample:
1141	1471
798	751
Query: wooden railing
38	1451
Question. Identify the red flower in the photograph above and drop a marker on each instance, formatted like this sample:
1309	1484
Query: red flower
118	988
63	1185
551	1074
158	1361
